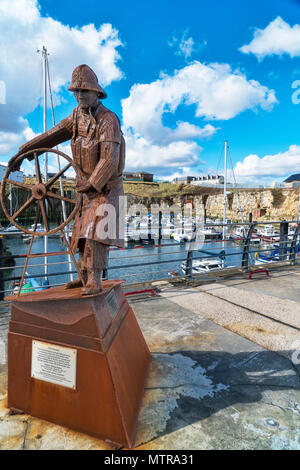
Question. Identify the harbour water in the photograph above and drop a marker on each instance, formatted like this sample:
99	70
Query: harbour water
132	264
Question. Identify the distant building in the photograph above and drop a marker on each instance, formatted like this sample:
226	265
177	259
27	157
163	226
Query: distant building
138	176
204	180
292	181
15	175
275	184
184	179
208	180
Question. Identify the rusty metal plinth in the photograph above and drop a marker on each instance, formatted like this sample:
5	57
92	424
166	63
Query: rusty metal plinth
111	368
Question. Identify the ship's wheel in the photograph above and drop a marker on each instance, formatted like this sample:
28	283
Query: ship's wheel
40	199
39	194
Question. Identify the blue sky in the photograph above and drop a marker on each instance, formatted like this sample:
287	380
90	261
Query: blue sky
182	77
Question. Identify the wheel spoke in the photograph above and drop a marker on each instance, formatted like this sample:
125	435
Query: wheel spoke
28	252
44	214
68	245
62	198
58	175
22	208
37	168
21	185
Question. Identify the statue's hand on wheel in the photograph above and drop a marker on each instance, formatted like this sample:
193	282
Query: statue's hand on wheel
14	164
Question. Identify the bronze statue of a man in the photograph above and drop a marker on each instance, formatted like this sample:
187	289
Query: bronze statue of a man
98	149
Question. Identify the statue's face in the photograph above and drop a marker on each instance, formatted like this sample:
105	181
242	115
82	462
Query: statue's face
86	98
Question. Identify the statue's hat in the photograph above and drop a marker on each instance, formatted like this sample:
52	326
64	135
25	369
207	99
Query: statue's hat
83	78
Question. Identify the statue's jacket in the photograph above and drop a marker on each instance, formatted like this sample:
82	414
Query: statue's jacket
98	150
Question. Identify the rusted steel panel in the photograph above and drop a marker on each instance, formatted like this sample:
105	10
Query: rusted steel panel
91	408
111	368
129	362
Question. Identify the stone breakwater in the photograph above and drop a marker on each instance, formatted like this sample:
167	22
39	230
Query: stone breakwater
265	204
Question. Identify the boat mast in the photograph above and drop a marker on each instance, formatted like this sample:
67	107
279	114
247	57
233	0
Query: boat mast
44	58
225	189
10	200
63	204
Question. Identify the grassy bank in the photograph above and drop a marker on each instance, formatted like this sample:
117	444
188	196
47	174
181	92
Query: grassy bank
166	190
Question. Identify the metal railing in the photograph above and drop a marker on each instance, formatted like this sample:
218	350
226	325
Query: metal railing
166	259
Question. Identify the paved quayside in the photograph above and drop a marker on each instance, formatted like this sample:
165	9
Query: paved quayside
224	372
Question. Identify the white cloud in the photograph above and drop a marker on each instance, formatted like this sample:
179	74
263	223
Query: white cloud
184	171
185	45
215	90
185	130
12	140
277	38
22	31
279	165
142	153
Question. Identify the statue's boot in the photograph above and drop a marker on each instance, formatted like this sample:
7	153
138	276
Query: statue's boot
93	285
78	282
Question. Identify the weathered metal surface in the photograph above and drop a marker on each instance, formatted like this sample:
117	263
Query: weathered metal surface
84	78
112	361
39	192
98	149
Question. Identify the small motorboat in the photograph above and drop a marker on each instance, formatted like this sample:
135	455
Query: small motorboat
269	234
146	241
260	258
39	228
181	237
204	265
12	230
210	233
240	235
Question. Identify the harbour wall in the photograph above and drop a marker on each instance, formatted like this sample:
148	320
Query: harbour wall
264	204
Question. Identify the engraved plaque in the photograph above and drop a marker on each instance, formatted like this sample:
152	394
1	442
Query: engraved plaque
112	304
53	363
